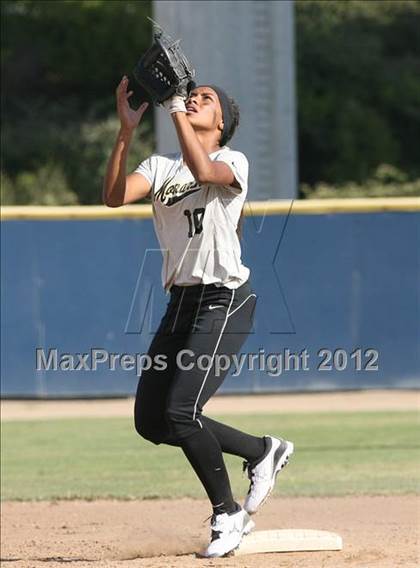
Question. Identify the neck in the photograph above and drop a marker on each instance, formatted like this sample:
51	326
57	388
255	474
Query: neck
207	142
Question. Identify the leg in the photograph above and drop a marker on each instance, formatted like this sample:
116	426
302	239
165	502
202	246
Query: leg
154	384
235	442
221	331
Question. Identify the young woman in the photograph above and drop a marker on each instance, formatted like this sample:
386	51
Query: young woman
198	196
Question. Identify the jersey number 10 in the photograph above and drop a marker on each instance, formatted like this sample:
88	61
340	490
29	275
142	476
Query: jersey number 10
195	221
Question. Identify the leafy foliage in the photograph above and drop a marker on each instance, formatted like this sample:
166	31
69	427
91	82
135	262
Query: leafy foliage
387	181
71	49
78	150
61	63
358	73
46	186
358	85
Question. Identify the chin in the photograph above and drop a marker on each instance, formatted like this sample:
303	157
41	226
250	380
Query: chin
193	119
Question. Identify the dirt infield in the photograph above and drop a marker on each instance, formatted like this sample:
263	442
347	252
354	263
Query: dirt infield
353	401
380	532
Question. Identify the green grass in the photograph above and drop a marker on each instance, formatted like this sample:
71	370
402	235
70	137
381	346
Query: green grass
336	454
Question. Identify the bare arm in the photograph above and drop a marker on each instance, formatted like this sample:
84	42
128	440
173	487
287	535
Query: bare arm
118	188
203	169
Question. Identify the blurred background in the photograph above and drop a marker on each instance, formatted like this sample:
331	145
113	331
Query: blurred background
357	70
330	107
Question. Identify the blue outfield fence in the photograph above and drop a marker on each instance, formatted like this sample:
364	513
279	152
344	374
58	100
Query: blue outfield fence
337	285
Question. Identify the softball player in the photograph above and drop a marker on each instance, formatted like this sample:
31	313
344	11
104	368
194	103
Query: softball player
197	197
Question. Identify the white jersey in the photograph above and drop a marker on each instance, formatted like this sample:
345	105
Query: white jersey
196	223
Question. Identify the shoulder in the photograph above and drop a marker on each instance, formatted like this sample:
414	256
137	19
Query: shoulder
233	158
237	160
238	163
229	153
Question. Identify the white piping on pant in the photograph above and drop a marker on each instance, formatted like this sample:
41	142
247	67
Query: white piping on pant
214	353
240	305
178	310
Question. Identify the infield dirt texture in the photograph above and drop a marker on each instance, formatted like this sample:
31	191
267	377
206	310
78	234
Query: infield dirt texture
379	531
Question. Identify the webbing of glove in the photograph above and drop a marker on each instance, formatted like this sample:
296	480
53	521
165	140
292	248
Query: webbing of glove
163	70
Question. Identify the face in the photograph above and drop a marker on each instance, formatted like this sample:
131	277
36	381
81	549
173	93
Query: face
204	110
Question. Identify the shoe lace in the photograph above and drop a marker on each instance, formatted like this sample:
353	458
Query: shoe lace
247	466
217	523
208	518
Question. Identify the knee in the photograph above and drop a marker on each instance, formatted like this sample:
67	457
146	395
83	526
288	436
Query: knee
141	427
146	430
181	424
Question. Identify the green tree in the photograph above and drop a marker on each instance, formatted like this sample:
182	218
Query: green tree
70	49
358	75
61	62
358	88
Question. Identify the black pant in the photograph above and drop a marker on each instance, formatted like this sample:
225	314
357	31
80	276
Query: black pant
202	320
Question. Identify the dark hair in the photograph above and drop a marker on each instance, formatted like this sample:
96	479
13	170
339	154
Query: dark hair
228	135
230	115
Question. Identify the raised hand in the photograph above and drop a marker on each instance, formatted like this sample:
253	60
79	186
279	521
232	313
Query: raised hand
129	118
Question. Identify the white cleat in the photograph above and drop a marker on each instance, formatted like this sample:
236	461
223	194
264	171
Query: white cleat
263	474
227	532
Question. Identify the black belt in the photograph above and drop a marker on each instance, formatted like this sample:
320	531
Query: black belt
194	288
